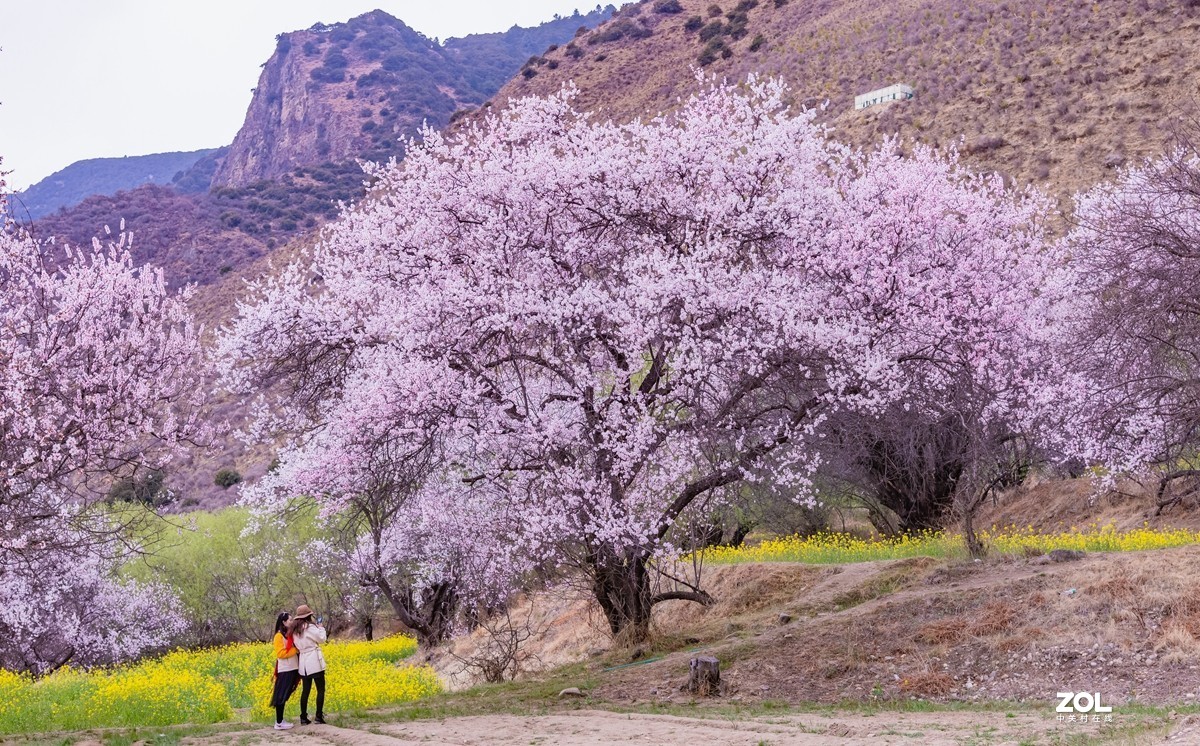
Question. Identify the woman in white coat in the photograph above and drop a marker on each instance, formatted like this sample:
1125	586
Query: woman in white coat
308	637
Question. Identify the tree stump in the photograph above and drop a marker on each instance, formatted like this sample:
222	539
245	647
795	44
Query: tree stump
704	678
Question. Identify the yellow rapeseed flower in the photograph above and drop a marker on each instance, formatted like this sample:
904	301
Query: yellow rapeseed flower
205	686
837	548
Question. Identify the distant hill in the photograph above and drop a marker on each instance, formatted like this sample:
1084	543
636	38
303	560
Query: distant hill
198	238
215	211
358	89
83	179
1057	94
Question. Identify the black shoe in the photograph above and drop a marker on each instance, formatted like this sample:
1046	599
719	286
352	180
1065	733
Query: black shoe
305	721
320	720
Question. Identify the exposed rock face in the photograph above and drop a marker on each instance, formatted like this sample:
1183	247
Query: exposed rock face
360	89
305	107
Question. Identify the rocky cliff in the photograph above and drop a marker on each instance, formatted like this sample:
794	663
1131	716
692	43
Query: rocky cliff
359	89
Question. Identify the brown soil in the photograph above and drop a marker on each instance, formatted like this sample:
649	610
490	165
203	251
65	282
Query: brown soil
1123	625
587	727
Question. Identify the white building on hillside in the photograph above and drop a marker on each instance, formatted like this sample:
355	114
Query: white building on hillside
897	92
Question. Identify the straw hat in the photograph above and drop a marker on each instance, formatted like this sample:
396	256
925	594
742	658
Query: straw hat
302	612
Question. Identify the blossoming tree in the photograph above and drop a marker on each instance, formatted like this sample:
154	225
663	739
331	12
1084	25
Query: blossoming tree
1137	242
608	325
98	369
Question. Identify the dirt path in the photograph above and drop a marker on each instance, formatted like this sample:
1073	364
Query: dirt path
595	727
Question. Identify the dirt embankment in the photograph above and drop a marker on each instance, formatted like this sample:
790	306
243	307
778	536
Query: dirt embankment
1126	625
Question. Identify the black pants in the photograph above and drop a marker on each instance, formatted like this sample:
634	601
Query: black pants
319	678
285	684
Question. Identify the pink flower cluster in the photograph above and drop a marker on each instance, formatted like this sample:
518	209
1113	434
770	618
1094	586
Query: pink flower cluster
99	376
595	327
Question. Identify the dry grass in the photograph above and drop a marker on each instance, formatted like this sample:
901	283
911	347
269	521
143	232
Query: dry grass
994	618
900	574
927	684
1060	96
883	631
943	631
1177	645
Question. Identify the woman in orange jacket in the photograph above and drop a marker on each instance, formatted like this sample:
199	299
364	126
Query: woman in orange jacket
287	669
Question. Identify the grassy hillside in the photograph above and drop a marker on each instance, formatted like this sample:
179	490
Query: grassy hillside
1053	93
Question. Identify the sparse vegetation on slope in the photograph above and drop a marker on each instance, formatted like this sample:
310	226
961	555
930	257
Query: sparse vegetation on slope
1059	94
106	176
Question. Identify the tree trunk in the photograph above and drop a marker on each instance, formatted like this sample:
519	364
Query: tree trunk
704	678
430	618
974	545
621	585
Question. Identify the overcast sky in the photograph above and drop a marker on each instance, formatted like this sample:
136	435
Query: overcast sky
98	78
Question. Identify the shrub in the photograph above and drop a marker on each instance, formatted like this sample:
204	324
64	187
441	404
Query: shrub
758	42
622	29
737	25
146	488
336	60
714	49
573	51
987	143
328	74
668	7
695	23
714	10
394	62
227	477
712	30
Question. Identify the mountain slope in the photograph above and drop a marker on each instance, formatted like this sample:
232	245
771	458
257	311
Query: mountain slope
82	179
1057	94
357	89
197	238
